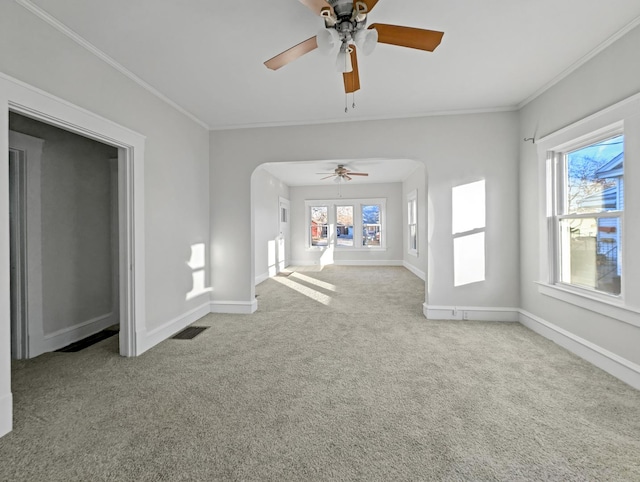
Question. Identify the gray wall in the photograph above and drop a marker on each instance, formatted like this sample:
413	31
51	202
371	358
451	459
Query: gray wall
454	150
610	77
176	172
266	191
76	199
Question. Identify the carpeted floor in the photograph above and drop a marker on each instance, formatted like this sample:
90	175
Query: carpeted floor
338	376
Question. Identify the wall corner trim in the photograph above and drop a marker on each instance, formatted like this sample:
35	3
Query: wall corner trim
6	414
262	277
611	363
234	307
419	273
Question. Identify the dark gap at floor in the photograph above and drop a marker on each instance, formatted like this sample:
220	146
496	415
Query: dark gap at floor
88	341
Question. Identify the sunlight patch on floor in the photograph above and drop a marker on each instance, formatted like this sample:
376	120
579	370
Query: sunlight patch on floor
304	290
313	281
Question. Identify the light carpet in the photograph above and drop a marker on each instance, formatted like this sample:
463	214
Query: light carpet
338	376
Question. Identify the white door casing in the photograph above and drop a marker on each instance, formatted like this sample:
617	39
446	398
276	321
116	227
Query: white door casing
284	236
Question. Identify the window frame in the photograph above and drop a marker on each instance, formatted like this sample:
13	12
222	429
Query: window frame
357	204
623	116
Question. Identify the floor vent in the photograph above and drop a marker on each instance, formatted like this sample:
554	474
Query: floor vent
189	333
285	273
88	341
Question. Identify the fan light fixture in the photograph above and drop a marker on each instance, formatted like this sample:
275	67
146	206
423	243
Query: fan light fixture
328	41
366	40
346	33
343	61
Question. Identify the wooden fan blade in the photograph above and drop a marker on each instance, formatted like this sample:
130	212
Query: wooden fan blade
352	79
358	174
414	38
347	177
292	54
322	179
316	6
369	3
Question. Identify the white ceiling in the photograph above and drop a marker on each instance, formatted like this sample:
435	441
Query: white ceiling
307	173
207	55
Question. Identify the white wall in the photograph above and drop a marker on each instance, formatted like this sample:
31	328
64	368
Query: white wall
392	192
610	77
176	165
454	149
266	191
416	182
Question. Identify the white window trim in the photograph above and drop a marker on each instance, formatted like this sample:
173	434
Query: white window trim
357	223
412	197
608	121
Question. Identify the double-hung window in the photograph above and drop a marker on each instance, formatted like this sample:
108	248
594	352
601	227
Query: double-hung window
587	197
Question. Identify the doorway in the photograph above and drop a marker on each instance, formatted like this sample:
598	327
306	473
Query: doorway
64	278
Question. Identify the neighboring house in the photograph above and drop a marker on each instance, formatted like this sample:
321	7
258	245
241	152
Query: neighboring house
608	235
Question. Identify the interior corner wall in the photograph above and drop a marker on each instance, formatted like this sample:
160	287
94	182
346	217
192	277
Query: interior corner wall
415	182
176	165
392	192
609	77
454	149
266	191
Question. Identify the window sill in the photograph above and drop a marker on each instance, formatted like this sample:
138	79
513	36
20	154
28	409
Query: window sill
613	308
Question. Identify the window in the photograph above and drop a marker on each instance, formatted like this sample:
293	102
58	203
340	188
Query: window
319	227
353	224
344	225
371	225
588	188
412	222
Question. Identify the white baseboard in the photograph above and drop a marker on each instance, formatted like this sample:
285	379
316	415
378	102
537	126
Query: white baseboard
351	262
368	262
611	363
234	307
152	338
474	313
61	338
6	414
419	273
262	277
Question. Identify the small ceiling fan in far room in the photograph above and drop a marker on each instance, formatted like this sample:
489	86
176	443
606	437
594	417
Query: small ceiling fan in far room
341	173
345	29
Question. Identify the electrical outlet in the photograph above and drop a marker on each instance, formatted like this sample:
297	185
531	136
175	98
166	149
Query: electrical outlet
465	315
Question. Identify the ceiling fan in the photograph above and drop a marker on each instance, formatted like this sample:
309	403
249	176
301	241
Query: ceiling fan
341	173
345	29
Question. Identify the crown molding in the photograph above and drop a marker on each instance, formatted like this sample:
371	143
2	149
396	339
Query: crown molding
55	23
310	122
581	61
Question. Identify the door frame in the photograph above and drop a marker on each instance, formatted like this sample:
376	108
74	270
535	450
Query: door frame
26	100
286	237
28	243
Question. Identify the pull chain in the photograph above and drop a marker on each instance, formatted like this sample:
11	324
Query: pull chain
353	98
346	109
